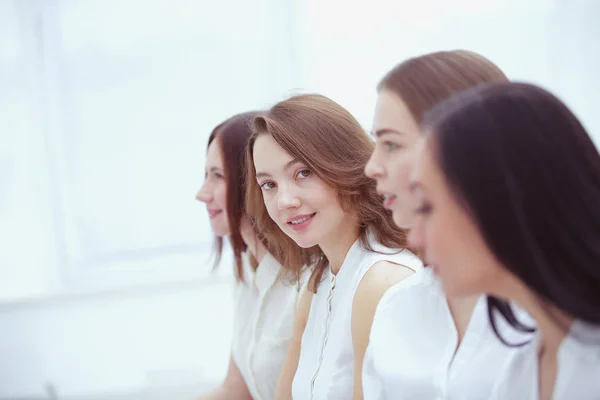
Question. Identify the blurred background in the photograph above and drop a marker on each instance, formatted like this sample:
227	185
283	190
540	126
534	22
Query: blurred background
106	290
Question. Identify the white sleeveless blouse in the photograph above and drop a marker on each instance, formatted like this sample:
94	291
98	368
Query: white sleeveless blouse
326	365
264	319
413	354
578	368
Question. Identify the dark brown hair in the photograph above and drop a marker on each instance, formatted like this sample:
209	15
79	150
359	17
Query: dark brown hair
424	81
528	173
327	139
232	138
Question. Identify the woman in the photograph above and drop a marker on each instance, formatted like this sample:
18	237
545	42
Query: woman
264	305
440	346
308	194
512	169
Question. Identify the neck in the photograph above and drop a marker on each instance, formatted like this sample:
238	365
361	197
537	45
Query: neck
461	309
552	323
336	248
255	246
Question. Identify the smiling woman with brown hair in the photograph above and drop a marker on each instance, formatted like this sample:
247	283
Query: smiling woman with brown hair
311	199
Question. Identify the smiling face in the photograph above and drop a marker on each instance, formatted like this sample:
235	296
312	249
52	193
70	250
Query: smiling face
396	133
300	203
214	190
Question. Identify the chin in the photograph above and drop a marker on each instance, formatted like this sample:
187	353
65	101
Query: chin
457	289
220	231
305	244
302	239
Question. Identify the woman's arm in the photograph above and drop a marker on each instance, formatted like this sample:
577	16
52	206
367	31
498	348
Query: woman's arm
233	387
284	384
371	288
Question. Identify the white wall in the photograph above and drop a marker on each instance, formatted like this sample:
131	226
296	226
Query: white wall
106	107
106	113
349	46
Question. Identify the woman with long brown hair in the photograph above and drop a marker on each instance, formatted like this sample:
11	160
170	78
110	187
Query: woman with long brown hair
440	346
264	303
309	196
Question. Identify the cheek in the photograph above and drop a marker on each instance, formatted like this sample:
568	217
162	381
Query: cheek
441	245
328	199
399	173
220	195
271	206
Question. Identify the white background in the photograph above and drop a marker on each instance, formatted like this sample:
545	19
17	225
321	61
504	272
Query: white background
105	109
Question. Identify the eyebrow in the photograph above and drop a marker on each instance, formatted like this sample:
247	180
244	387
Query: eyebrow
287	166
383	131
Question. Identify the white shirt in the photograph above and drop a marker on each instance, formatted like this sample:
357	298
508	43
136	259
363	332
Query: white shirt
264	319
411	352
578	368
326	365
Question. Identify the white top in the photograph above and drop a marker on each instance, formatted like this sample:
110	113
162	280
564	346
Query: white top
411	353
264	319
578	368
326	365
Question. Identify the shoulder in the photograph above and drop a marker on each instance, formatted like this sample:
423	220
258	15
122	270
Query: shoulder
401	257
304	304
378	279
381	276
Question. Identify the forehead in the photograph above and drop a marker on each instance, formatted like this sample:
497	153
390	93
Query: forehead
392	112
213	155
268	154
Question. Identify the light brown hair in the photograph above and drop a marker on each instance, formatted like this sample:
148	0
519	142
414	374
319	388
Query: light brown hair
424	81
324	136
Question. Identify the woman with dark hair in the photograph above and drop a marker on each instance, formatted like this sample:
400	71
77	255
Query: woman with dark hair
310	197
513	172
265	304
439	346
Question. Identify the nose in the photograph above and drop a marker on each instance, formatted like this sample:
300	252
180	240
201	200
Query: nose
204	194
373	169
287	198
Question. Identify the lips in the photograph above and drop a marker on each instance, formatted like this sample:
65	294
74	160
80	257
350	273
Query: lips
388	200
214	213
300	222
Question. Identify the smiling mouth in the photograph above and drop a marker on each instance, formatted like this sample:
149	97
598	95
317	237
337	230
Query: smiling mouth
301	222
212	214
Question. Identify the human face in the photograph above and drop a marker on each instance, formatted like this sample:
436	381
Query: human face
303	206
396	133
214	190
449	238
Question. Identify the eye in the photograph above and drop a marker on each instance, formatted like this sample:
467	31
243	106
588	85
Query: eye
305	173
423	209
218	175
390	146
268	185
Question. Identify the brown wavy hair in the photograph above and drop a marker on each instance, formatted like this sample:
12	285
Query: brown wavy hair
424	81
331	143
